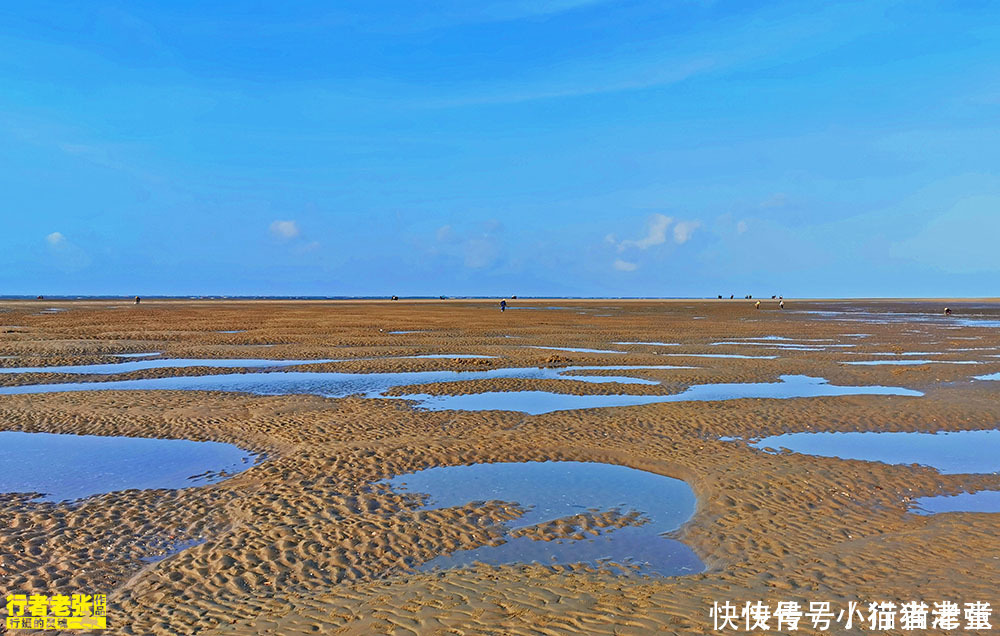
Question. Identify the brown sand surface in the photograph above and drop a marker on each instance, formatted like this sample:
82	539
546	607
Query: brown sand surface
304	542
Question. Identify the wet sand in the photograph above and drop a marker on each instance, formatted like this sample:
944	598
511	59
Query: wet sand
304	543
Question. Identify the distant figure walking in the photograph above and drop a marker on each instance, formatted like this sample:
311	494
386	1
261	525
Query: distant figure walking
756	305
947	311
503	305
781	304
137	300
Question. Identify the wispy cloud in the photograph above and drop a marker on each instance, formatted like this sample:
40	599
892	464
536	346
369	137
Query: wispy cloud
285	230
478	247
445	233
776	200
742	227
684	230
586	80
624	266
519	9
65	255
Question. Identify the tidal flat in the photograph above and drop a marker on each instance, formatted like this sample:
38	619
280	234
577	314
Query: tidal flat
311	538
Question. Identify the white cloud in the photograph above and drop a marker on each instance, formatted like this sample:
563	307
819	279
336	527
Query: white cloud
311	246
776	200
66	256
445	233
480	252
656	234
741	227
285	229
683	231
624	266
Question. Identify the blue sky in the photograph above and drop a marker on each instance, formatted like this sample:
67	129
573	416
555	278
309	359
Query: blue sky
545	147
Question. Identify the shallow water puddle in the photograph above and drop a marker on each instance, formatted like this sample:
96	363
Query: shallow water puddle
373	385
76	466
982	501
783	344
786	339
950	322
554	491
164	363
335	384
451	356
768	345
907	363
720	355
538	402
957	452
652	344
575	349
137	355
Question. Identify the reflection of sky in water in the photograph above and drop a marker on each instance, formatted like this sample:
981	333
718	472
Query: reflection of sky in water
950	453
905	363
655	344
720	355
538	402
336	384
554	490
164	363
76	466
953	321
451	356
575	349
533	402
982	501
783	345
137	355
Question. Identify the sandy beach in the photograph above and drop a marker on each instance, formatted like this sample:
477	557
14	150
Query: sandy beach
307	542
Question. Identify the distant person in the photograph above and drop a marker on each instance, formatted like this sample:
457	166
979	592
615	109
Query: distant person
781	304
503	305
137	300
756	305
947	311
731	296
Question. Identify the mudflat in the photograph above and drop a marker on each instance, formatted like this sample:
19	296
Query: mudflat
308	541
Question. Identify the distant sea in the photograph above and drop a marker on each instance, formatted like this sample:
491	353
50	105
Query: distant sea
112	297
